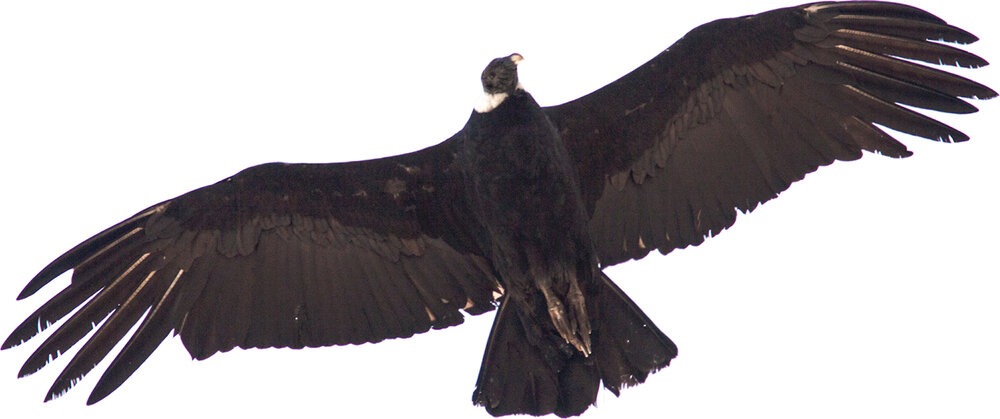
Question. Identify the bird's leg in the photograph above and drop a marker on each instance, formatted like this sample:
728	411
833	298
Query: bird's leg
579	306
574	329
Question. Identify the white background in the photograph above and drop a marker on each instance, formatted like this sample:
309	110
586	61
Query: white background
868	290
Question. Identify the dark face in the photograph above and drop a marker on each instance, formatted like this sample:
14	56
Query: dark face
500	76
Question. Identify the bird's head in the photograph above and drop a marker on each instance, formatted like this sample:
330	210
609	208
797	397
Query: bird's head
499	80
500	76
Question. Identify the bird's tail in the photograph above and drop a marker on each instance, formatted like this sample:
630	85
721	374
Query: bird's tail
520	377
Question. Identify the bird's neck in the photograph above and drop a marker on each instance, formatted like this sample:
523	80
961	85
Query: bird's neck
491	101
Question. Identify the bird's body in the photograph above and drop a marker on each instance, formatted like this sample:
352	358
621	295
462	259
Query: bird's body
521	209
522	184
552	333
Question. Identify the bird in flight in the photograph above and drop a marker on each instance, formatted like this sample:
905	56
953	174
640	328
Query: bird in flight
519	211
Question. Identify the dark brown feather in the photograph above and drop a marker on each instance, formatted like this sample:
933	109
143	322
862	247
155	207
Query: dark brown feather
275	256
771	98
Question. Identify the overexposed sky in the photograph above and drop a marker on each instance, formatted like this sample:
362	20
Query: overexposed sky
868	290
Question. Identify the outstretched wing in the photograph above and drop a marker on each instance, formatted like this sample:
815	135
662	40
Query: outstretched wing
279	255
738	109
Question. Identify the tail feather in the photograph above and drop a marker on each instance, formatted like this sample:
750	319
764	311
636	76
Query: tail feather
519	377
629	346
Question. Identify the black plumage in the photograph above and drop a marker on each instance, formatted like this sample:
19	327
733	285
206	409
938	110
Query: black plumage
411	210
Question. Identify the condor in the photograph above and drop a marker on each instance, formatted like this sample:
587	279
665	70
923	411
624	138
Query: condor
520	210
